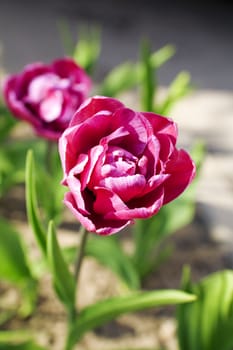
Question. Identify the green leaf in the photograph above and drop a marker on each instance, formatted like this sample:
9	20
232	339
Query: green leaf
50	201
108	251
179	88
104	311
151	232
207	324
31	203
161	56
63	280
120	78
128	74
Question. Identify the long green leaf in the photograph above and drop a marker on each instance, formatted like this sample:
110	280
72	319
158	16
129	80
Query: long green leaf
179	88
104	311
31	203
63	280
151	232
161	56
121	78
109	252
207	324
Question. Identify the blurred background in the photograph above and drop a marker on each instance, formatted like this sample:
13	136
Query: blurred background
202	32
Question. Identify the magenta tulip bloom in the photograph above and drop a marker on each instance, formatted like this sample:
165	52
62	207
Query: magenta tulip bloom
47	96
120	165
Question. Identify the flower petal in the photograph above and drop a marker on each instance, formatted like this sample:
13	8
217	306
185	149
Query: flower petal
162	125
95	223
70	202
140	208
126	187
182	171
138	129
93	156
94	105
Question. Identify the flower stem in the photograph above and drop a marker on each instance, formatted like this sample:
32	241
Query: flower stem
73	314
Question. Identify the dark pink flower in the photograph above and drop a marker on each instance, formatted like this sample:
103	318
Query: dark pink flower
47	96
120	165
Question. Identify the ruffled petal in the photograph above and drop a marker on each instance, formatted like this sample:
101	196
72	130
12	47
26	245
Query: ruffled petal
162	125
140	208
94	105
139	130
95	223
93	156
182	171
126	187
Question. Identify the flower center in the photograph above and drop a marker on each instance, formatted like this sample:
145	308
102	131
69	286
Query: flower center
118	162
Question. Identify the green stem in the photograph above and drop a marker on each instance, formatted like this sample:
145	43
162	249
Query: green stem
148	83
72	315
69	343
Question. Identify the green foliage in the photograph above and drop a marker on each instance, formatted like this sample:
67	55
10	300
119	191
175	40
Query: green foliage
119	79
148	86
12	161
29	345
108	251
63	280
17	340
87	49
104	311
207	324
161	56
15	267
48	184
150	233
179	88
128	75
49	206
7	122
12	157
32	205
